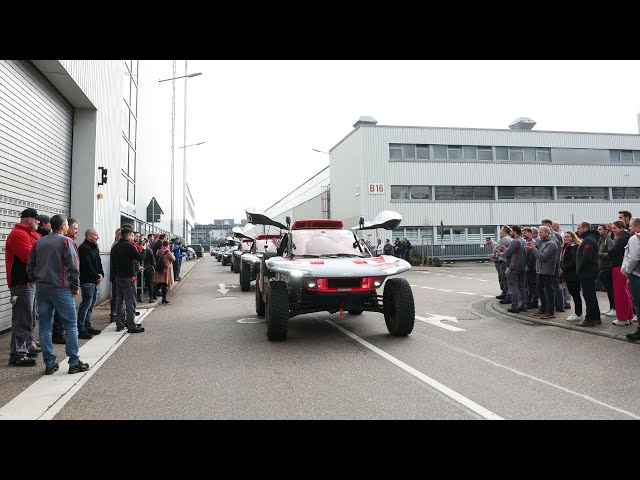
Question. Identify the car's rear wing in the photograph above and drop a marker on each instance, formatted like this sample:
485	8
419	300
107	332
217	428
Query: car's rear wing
387	219
244	232
262	219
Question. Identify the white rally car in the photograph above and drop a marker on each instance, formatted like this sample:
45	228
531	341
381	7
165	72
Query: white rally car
249	262
320	266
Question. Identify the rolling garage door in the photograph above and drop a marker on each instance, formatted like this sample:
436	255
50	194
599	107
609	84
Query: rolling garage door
36	123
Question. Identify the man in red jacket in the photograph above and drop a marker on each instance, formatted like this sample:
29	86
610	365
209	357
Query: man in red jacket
23	291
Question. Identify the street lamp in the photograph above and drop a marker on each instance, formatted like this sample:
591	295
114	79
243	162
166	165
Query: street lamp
184	191
173	126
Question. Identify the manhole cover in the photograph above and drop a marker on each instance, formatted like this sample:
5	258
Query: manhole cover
226	298
251	320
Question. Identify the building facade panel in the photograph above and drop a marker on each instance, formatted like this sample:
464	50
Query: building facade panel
346	164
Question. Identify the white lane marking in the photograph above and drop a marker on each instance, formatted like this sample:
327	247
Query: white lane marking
430	288
470	404
412	285
444	290
438	273
467	278
435	320
531	377
488	296
44	398
467	293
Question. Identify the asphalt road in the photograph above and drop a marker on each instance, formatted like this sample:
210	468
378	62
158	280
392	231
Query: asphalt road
206	356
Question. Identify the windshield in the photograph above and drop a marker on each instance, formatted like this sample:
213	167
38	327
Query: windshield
266	246
338	243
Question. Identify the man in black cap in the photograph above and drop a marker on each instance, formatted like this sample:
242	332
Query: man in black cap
23	290
44	225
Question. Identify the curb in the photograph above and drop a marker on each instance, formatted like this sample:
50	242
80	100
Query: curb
492	305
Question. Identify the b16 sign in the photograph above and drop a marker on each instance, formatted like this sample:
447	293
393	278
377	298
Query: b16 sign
376	189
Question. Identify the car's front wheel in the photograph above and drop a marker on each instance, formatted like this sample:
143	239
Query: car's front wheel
277	311
399	307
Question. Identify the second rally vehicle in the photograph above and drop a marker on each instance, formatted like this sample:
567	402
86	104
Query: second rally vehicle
320	266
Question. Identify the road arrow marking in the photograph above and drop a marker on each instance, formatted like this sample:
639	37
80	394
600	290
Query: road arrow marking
436	319
222	289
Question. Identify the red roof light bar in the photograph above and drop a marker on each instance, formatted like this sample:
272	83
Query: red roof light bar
317	224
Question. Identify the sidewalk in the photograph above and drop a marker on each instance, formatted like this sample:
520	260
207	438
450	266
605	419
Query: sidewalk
14	380
607	329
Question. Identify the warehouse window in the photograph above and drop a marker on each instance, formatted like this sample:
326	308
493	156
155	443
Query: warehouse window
582	193
525	193
624	156
399	192
632	193
129	130
408	151
462	152
463	192
410	193
543	155
485	153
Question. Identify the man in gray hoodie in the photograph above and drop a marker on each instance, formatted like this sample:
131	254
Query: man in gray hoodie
546	258
53	265
516	259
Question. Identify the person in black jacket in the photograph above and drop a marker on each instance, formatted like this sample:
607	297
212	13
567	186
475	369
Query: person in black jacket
149	269
91	275
123	255
587	269
569	276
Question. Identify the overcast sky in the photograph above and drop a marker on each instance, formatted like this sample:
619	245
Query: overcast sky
261	119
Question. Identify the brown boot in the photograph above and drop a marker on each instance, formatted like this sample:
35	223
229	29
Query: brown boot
586	323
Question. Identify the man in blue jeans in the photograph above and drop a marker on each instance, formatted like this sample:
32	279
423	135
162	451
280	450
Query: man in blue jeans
91	275
53	266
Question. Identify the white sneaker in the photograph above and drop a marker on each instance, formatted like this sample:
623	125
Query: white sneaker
611	313
622	322
635	318
574	317
606	311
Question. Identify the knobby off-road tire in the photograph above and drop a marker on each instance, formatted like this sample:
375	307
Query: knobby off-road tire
245	276
277	311
399	308
263	274
236	265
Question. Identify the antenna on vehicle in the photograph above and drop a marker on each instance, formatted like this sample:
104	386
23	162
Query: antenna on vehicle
361	222
289	222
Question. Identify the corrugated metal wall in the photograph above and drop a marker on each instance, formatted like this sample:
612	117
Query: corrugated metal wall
347	162
36	124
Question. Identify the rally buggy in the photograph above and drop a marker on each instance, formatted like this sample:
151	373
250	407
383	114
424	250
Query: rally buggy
249	262
321	267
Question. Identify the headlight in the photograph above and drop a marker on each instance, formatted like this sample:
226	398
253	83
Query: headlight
311	283
377	282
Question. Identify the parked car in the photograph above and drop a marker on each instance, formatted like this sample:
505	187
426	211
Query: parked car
321	267
190	254
198	249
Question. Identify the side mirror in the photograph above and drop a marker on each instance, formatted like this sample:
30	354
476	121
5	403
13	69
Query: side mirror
361	222
288	222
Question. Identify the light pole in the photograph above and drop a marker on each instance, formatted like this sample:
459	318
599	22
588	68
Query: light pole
173	79
184	190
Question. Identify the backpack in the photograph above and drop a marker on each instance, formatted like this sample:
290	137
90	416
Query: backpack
161	264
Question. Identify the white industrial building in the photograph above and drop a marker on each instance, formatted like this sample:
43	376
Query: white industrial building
470	180
72	142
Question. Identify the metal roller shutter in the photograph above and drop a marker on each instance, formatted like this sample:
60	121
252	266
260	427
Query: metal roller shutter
36	124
